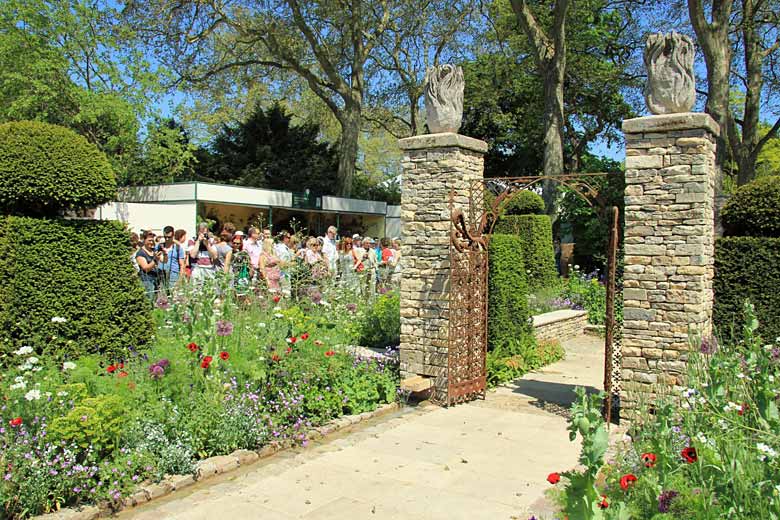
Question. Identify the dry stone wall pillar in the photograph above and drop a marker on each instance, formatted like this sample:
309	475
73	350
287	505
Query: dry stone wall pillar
669	247
433	165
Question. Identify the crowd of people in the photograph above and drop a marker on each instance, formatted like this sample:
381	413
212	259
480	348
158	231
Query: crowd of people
256	257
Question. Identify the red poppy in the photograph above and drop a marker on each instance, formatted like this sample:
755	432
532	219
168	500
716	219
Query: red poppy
120	366
330	353
277	298
15	422
603	504
689	454
743	409
293	340
206	362
122	374
626	481
648	459
111	369
275	357
553	478
193	347
305	336
224	356
289	349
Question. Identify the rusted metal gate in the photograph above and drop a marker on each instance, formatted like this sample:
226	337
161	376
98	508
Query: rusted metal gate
472	221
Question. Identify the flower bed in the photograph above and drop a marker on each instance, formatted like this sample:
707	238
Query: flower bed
712	452
225	373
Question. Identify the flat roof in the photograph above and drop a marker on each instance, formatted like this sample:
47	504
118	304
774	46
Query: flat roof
258	197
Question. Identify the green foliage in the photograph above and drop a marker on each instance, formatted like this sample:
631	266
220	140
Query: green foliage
95	423
508	315
525	202
78	270
267	151
754	209
729	416
536	246
588	225
46	168
519	357
586	292
747	267
381	326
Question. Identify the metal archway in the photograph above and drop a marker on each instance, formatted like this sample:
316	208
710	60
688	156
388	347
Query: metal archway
471	225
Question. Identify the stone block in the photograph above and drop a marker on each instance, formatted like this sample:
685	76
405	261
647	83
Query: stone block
245	457
641	162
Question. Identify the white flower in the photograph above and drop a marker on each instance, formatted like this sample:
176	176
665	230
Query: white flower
63	393
68	365
37	369
19	379
58	319
33	360
278	315
277	308
767	450
723	424
732	407
33	395
21	385
689	392
771	378
24	350
701	438
741	375
685	405
576	266
261	325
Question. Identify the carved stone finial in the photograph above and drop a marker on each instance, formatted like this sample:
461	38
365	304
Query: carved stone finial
670	85
444	98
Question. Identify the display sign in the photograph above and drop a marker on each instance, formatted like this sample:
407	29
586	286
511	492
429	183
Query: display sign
306	200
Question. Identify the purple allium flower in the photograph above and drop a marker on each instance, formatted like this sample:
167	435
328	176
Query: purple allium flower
224	328
315	296
775	354
156	371
163	303
185	318
709	345
163	363
383	290
665	500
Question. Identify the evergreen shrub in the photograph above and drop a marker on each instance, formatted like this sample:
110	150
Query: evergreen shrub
509	319
46	169
525	203
78	270
536	243
381	326
754	209
747	268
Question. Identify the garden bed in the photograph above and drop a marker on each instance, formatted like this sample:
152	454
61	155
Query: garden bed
226	376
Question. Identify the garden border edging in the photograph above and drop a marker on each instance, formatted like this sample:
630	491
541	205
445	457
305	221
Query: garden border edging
211	467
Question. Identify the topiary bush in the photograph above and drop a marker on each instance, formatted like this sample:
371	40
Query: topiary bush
747	268
78	270
46	169
524	203
508	313
535	233
754	209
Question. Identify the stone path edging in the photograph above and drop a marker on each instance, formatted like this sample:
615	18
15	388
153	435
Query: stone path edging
211	467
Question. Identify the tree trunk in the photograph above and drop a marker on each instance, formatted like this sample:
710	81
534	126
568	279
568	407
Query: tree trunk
553	127
413	110
348	148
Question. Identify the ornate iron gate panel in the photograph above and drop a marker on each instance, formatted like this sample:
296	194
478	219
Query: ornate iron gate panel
467	341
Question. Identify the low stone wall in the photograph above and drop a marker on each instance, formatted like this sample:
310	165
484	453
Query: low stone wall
561	325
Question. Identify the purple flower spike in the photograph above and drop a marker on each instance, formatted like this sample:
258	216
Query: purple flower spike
709	345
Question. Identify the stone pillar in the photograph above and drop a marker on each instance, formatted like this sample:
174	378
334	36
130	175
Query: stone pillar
669	247
432	165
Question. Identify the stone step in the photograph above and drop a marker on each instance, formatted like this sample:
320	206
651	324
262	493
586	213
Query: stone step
416	384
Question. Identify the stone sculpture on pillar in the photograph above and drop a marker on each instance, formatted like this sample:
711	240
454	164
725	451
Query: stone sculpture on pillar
444	98
671	84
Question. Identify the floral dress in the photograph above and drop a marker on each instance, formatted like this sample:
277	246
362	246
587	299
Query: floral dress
273	272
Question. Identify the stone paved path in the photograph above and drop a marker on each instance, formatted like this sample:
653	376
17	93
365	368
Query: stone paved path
484	460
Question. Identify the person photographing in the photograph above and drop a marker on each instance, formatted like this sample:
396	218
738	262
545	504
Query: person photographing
149	262
203	254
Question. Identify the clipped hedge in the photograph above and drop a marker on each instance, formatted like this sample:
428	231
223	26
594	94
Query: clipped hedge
45	169
747	268
754	209
535	233
525	203
509	319
79	270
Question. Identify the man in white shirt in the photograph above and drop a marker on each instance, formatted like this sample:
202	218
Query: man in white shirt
282	247
329	248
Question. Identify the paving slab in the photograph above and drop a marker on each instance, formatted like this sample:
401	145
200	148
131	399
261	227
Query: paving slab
487	459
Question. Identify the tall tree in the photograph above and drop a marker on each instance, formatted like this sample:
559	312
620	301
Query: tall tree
326	43
267	151
740	41
549	52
